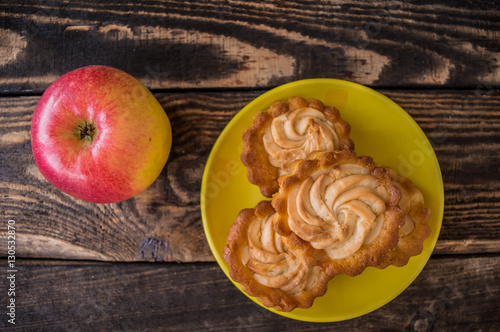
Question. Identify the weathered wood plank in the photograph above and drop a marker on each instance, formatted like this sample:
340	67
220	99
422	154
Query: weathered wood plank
164	223
452	293
251	44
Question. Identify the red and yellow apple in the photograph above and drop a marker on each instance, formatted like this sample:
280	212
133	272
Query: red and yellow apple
98	134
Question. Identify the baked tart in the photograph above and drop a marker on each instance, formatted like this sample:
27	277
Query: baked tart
287	131
339	210
265	267
415	228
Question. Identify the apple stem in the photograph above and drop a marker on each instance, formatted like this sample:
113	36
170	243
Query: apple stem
87	130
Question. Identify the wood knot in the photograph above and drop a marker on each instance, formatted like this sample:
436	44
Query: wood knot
155	249
422	321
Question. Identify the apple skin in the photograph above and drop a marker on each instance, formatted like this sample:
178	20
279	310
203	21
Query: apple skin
99	135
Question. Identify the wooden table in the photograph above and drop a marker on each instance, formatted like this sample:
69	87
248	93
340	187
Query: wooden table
144	264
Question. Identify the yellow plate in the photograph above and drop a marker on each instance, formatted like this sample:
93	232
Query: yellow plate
381	129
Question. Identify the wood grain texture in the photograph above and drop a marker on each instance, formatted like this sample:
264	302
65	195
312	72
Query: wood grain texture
250	44
164	222
451	294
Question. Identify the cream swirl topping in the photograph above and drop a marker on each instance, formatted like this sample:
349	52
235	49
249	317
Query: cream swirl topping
406	204
338	209
296	134
272	264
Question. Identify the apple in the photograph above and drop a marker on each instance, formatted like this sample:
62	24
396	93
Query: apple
99	135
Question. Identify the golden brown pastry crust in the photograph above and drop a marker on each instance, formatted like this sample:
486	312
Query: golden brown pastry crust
416	227
252	263
370	253
256	158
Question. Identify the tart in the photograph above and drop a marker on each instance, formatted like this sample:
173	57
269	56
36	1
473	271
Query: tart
287	131
265	267
415	228
339	210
